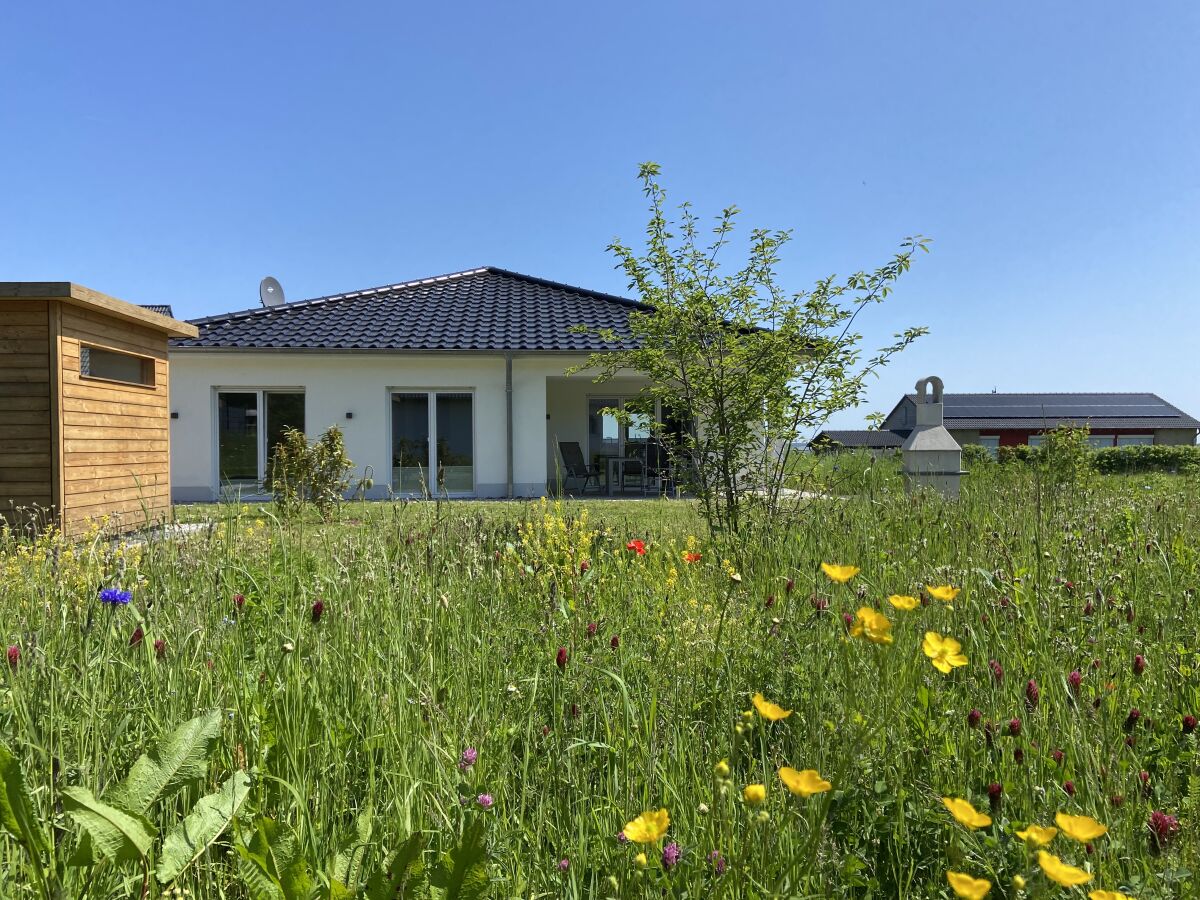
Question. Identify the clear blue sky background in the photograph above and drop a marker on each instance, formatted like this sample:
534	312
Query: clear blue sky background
178	152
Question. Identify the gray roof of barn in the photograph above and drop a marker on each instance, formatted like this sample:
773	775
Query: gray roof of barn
163	309
486	309
1049	410
862	437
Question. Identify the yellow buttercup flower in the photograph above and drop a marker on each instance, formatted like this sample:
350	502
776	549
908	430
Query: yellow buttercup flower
805	783
873	626
966	814
1108	895
772	712
1061	873
966	887
904	602
648	828
721	769
1019	882
640	861
754	794
1079	828
840	574
1038	835
944	652
944	592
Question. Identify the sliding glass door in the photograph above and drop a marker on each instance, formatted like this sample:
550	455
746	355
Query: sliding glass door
608	438
433	442
244	446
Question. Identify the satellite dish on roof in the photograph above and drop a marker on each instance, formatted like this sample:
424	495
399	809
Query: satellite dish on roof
270	292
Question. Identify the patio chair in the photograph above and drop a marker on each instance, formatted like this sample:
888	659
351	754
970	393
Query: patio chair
574	465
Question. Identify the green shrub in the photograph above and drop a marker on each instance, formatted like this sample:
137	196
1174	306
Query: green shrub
1138	459
1017	453
976	456
318	474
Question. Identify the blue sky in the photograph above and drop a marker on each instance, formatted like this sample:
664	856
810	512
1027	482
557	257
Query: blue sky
180	152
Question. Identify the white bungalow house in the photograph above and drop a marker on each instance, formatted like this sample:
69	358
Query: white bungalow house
460	375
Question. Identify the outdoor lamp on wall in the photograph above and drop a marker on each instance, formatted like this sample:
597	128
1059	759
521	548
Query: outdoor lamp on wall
349	415
174	415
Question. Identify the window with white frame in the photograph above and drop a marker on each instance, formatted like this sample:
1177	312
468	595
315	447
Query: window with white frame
433	442
1131	440
990	443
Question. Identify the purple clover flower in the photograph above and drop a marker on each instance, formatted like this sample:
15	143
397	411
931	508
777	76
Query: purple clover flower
468	758
485	801
670	855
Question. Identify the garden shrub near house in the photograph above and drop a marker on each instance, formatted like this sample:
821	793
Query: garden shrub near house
316	474
1140	459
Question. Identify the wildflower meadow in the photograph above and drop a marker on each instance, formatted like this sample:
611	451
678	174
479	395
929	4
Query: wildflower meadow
893	695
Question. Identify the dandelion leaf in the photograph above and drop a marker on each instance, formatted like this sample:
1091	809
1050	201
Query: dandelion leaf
179	758
17	815
402	872
264	852
209	817
115	834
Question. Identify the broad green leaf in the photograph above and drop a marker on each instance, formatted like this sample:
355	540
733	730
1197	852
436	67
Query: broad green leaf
17	814
351	857
401	873
178	759
297	883
209	817
115	834
462	873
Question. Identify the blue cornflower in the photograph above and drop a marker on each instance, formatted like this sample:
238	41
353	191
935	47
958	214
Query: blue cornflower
115	596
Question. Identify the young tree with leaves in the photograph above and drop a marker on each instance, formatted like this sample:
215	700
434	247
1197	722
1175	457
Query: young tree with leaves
747	366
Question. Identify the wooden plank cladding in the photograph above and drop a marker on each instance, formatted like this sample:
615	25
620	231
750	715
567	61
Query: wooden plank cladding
83	446
26	482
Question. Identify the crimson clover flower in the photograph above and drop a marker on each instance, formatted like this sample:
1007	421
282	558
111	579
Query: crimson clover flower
1189	724
468	757
115	596
560	658
1139	664
14	656
135	639
1163	829
318	609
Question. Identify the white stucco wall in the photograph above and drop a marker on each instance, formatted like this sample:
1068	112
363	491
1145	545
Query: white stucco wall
337	383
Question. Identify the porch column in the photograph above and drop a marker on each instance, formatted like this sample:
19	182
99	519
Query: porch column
528	455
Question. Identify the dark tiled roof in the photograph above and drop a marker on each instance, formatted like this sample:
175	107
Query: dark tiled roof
855	438
163	309
480	309
1049	410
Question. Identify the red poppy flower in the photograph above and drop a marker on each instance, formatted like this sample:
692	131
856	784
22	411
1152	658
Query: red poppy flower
691	557
638	547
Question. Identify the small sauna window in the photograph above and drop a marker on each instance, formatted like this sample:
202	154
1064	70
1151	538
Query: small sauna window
109	365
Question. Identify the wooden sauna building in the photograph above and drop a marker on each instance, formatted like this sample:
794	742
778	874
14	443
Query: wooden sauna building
84	408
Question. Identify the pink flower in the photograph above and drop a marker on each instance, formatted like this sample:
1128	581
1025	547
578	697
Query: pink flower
561	658
467	759
239	600
14	656
1139	664
564	864
160	649
1163	829
1074	680
973	718
1014	727
670	855
997	670
485	801
591	629
1032	694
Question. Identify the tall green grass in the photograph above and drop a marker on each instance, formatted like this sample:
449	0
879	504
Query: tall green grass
440	630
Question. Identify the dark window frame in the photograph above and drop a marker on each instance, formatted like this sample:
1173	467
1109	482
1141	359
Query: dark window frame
86	355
